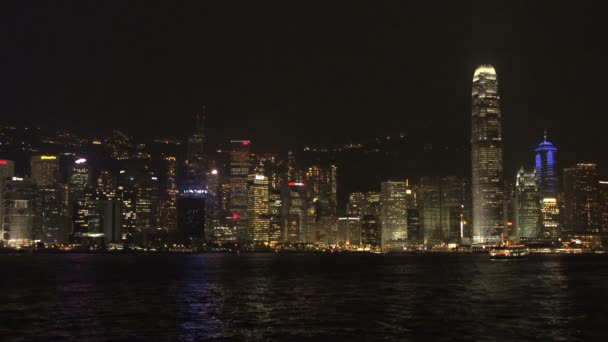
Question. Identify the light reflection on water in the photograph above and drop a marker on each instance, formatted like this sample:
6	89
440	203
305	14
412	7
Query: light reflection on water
302	297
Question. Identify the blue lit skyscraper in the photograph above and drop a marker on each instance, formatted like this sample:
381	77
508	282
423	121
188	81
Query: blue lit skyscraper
546	180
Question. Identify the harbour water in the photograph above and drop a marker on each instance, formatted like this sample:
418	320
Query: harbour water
294	297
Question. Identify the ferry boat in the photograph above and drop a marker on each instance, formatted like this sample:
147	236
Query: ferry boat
508	252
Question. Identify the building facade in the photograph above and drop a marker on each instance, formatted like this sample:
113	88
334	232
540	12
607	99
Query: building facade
486	157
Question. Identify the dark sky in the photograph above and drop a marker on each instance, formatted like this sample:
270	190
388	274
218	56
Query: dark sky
308	72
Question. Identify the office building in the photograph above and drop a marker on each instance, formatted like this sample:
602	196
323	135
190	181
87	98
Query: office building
393	216
527	205
486	157
548	189
582	211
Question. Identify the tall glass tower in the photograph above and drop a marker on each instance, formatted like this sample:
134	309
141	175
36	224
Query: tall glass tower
486	156
546	179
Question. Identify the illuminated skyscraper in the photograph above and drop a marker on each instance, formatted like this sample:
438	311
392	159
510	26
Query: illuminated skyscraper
44	170
393	217
581	200
240	165
7	171
191	217
276	217
322	183
80	196
258	197
19	211
49	205
527	205
168	205
546	180
440	208
486	156
603	189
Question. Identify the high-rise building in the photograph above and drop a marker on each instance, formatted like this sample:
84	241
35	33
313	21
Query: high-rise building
322	184
50	225
547	183
44	170
527	205
80	196
486	156
296	212
258	196
167	219
191	216
348	232
429	201
7	172
18	212
240	166
371	233
276	217
603	188
393	217
440	204
581	200
356	204
196	161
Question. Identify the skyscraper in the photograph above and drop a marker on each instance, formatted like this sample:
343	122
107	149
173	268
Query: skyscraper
19	211
258	205
168	203
44	170
45	175
486	156
527	205
240	165
547	182
581	199
393	217
7	171
196	162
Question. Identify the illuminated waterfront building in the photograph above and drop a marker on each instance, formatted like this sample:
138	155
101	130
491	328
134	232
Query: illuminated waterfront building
371	233
7	171
393	215
146	205
240	166
191	216
276	217
547	182
486	156
429	200
258	197
44	170
440	203
50	227
168	204
603	191
527	205
18	211
581	200
322	183
295	212
356	204
80	196
348	232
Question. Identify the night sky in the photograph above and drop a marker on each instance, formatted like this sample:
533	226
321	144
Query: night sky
313	72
